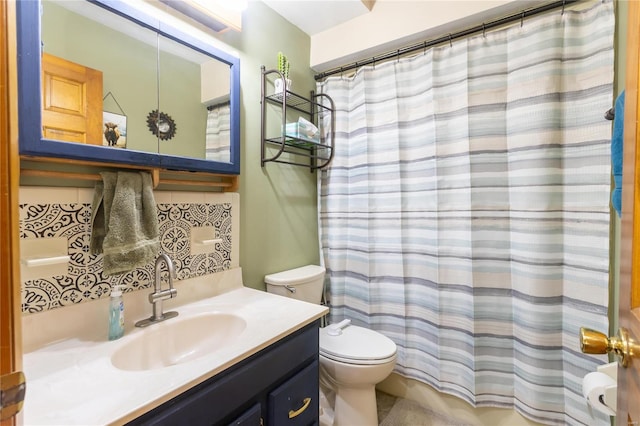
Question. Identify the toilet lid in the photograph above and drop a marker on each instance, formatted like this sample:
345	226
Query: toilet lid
356	344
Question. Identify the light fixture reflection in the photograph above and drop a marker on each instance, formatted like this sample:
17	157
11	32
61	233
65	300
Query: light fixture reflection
216	14
213	5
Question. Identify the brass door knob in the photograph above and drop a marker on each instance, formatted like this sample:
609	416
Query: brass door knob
594	342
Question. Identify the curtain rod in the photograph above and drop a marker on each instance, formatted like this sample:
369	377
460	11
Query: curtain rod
448	38
218	105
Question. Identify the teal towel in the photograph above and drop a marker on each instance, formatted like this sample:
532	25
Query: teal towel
617	148
124	221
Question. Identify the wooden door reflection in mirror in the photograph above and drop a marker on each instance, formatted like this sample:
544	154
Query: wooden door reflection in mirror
71	101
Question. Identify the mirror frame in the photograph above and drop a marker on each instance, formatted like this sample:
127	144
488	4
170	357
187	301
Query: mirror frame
32	142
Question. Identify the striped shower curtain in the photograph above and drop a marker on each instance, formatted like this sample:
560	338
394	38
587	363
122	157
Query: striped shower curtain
218	135
466	212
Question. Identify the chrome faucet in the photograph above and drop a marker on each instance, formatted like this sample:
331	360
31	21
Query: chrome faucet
159	295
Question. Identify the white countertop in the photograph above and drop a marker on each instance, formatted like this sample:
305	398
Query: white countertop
73	382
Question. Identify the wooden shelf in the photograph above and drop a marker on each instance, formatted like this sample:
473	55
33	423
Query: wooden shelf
39	168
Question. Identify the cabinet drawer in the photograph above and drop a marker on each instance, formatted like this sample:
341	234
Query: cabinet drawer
295	402
251	417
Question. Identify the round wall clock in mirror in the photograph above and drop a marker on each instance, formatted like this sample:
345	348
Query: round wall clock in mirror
161	125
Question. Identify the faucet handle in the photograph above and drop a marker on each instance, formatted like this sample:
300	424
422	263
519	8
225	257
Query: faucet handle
169	293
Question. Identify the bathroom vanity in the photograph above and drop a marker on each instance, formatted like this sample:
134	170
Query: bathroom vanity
256	359
279	385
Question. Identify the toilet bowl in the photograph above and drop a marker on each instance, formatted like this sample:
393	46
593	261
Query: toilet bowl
351	364
353	359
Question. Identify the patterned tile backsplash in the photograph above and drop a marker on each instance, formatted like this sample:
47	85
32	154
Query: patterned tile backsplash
44	222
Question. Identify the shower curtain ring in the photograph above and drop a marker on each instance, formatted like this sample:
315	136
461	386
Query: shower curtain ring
424	48
398	55
522	20
374	62
450	42
484	30
563	3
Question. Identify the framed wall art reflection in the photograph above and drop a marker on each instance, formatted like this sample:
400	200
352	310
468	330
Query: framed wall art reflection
114	128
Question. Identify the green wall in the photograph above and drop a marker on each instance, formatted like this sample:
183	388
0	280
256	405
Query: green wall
278	222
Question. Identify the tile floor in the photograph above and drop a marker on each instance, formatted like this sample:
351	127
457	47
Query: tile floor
394	411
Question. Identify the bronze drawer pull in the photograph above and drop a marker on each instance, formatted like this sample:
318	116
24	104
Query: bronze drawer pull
300	410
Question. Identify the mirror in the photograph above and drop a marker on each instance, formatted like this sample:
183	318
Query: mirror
119	86
194	96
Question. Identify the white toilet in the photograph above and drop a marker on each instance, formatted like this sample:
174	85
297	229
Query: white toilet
352	359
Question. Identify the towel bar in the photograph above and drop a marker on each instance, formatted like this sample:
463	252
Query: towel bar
228	183
210	242
42	261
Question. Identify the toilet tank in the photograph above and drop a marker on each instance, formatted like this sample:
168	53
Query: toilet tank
304	283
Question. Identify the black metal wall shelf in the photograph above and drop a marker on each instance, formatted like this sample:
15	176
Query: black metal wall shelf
320	108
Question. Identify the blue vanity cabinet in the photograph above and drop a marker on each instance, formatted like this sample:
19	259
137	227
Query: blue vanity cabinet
276	386
285	405
251	417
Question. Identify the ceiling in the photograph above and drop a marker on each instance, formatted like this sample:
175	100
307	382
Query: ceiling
315	16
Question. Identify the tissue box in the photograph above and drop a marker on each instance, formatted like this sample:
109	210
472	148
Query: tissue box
300	131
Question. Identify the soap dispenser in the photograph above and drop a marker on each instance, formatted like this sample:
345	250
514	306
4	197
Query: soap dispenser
116	314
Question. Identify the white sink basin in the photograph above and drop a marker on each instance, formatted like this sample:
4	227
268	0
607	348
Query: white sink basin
178	340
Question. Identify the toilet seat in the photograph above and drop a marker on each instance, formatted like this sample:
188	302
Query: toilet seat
357	345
